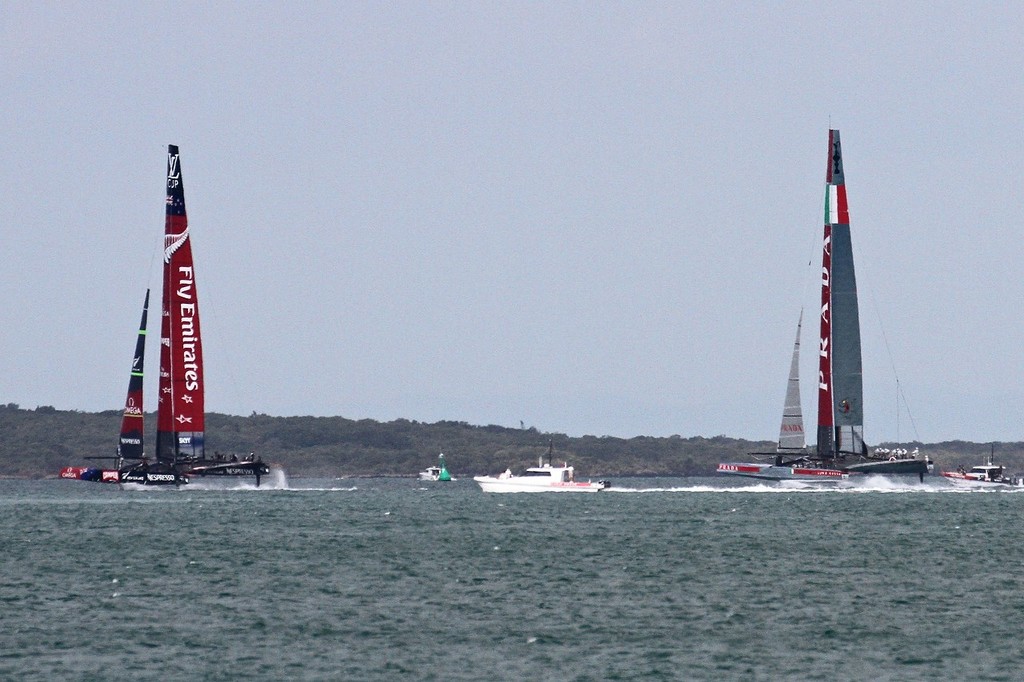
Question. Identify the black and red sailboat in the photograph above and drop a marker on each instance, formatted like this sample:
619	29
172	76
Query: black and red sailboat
180	437
841	450
131	464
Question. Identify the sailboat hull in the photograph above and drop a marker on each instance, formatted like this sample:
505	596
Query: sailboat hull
134	474
163	476
246	468
898	467
93	474
774	472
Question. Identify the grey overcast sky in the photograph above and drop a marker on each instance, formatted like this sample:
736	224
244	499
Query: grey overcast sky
592	217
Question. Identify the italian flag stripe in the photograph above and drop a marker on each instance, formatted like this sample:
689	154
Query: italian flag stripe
836	212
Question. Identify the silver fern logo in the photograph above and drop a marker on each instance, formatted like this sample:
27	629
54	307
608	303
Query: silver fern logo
173	242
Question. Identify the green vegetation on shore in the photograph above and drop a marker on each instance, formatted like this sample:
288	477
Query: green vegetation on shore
37	443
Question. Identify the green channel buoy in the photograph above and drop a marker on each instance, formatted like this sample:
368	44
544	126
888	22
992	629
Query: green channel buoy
444	475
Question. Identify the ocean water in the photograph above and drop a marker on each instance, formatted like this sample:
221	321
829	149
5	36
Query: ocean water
387	579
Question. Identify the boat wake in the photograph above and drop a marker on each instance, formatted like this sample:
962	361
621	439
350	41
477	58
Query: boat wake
323	486
350	489
678	489
275	480
859	485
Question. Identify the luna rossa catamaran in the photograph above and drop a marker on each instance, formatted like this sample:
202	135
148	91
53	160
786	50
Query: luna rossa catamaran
841	450
180	437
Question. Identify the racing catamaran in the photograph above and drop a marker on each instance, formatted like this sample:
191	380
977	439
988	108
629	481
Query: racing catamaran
841	451
180	436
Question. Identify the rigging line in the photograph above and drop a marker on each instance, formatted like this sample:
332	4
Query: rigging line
913	424
815	238
892	364
152	260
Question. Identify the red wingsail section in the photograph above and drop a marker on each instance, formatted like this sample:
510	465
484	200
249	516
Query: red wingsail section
825	349
180	410
833	176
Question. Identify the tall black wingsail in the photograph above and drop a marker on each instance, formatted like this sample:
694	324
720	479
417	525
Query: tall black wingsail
129	446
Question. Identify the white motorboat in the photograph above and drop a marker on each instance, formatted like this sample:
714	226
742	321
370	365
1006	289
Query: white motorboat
542	478
431	474
982	476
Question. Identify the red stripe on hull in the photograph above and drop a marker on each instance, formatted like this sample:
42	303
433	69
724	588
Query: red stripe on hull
740	468
827	473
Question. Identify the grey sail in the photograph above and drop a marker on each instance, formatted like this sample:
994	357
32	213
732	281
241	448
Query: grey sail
791	433
847	372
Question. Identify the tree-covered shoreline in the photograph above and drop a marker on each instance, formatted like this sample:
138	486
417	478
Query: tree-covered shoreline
36	443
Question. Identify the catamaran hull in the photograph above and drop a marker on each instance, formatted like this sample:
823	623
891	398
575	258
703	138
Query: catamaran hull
93	474
891	467
772	472
96	475
526	484
233	469
153	478
254	469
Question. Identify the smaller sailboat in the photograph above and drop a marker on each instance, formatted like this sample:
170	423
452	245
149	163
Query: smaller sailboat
791	459
438	473
131	464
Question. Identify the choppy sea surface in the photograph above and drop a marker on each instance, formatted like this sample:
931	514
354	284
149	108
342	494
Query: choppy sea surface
385	579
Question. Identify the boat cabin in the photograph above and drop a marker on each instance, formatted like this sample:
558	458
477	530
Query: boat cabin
986	472
565	474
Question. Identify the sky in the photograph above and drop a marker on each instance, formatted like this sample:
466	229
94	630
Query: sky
595	218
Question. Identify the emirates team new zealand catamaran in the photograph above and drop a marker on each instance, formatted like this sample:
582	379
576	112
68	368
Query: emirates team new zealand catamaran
180	437
841	451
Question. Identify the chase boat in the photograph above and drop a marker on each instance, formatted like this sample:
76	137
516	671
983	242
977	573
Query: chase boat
987	475
543	478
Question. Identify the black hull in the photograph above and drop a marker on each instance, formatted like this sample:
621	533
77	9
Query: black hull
892	467
785	467
167	474
152	476
221	469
